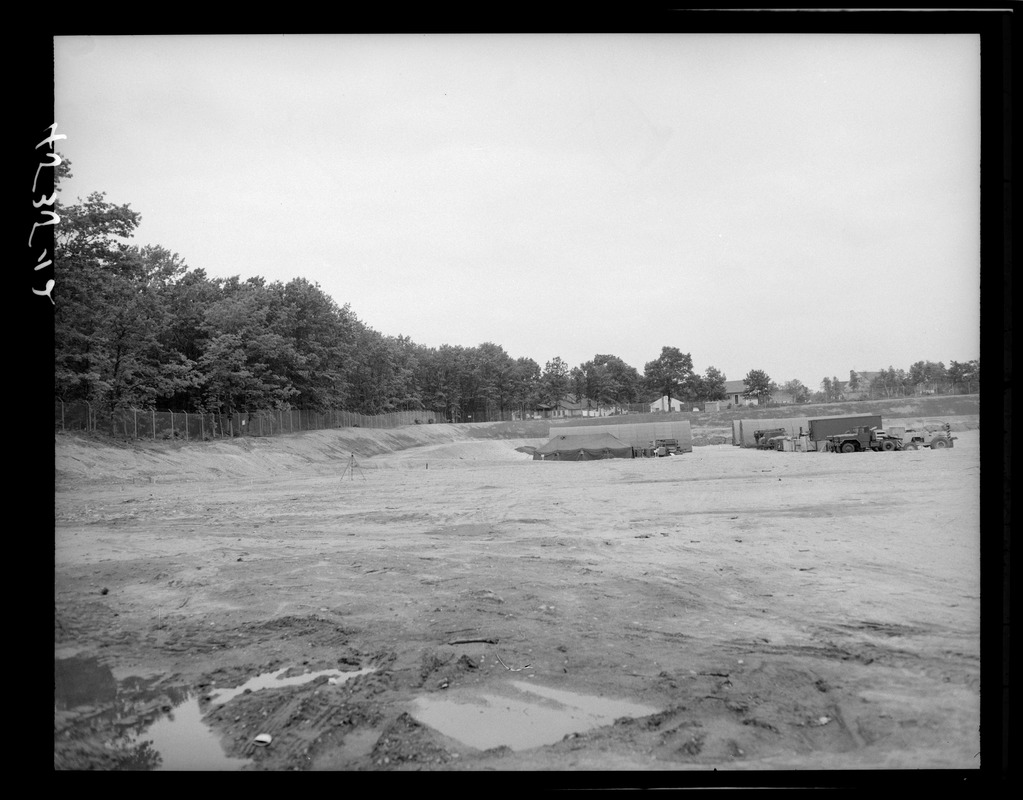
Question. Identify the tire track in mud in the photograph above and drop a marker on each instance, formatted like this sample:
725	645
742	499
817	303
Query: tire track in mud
301	720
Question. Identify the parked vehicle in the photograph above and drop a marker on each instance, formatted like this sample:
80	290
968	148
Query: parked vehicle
862	439
666	447
823	427
935	434
769	439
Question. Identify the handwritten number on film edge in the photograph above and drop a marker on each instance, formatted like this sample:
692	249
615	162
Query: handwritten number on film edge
46	201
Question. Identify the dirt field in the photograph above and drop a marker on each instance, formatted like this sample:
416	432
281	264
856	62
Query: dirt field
769	611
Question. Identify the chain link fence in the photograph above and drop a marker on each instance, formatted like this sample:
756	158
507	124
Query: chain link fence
139	423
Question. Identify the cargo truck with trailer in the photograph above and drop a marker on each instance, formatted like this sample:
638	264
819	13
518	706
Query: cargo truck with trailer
822	428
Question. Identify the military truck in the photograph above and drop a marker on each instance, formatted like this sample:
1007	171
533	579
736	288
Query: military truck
823	427
862	439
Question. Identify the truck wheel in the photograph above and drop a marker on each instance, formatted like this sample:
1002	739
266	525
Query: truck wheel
911	446
848	447
939	443
887	445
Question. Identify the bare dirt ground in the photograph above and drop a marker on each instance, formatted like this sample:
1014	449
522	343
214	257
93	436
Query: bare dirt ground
779	611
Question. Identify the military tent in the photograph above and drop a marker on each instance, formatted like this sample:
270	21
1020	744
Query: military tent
586	447
640	435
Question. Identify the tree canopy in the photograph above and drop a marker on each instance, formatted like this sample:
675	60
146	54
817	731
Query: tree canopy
758	385
136	327
670	374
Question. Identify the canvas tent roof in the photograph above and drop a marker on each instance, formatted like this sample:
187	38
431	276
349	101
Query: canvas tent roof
637	434
584	447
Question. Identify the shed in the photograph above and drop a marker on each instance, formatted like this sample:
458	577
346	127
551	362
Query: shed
667	404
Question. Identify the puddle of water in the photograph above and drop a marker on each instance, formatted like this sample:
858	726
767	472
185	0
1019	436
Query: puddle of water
160	728
272	680
526	715
183	742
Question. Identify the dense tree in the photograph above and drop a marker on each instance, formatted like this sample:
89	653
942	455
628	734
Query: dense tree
442	384
927	375
578	383
831	389
555	381
493	367
892	382
972	375
670	374
247	362
879	384
712	385
326	335
610	381
524	384
594	379
758	385
91	255
964	376
382	373
797	390
112	323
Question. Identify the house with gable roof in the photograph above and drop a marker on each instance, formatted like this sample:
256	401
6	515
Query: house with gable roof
735	394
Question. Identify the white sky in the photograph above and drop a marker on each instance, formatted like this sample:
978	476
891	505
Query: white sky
803	204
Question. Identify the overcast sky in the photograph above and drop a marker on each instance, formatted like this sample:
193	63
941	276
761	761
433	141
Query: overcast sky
802	204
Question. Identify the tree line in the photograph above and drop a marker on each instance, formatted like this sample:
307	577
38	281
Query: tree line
134	327
922	377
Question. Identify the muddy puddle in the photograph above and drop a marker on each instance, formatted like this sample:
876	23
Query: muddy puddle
158	727
520	715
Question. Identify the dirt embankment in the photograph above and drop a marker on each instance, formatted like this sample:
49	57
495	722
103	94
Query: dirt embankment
97	458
